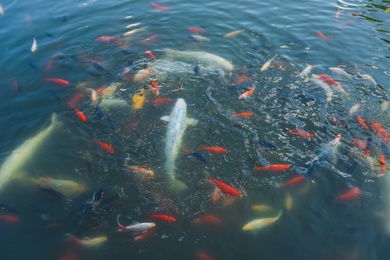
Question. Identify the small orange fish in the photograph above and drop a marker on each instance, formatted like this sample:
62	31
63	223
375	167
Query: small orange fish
273	167
209	220
352	194
382	162
338	13
301	133
292	181
248	93
57	81
144	236
225	188
241	79
321	35
162	217
9	218
160	7
150	38
80	115
150	54
105	146
213	149
242	114
362	122
76	98
195	29
155	88
203	256
361	144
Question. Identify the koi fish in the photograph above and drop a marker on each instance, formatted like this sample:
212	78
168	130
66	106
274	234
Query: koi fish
325	86
160	100
351	194
367	77
382	163
139	99
210	220
225	188
9	218
260	223
162	217
34	45
195	29
213	149
268	63
336	141
146	235
144	171
108	91
200	157
242	114
80	115
150	38
129	33
354	109
203	256
337	15
1	10
88	242
293	181
261	208
150	54
339	71
380	131
361	144
216	195
136	226
155	88
67	188
107	39
305	72
105	146
362	122
233	34
76	98
273	167
330	81
160	7
321	35
57	81
241	79
248	93
301	133
144	74
288	203
200	38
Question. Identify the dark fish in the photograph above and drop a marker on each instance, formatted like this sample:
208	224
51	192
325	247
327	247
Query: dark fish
8	209
84	210
266	146
52	194
97	197
197	70
98	114
199	156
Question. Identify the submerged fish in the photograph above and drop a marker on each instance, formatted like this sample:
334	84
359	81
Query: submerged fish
34	45
260	223
233	34
268	63
12	167
69	189
135	226
178	122
88	242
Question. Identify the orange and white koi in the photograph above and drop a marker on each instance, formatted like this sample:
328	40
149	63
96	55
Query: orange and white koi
248	93
136	226
150	54
233	34
90	242
273	167
225	188
156	91
268	63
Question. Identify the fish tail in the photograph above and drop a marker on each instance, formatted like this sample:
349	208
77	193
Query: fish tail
54	120
120	227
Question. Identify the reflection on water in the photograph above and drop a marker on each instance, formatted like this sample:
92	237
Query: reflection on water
288	158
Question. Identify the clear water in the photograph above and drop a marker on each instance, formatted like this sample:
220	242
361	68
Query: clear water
317	227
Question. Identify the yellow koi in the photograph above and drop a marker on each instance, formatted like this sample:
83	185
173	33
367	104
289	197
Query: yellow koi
268	63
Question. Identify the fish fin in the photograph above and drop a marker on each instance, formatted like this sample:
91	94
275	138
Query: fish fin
165	118
191	121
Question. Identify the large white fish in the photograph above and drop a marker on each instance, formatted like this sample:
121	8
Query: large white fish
12	167
69	189
178	122
260	223
328	91
205	59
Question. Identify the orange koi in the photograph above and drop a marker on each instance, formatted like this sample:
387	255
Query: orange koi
242	114
382	162
248	93
146	172
100	90
160	7
273	167
105	146
328	80
225	188
321	35
203	256
213	149
160	100
76	98
351	194
9	218
155	88
292	181
301	133
146	235
162	217
195	29
57	81
216	195
241	79
361	144
80	115
150	54
338	13
362	122
107	39
210	220
379	130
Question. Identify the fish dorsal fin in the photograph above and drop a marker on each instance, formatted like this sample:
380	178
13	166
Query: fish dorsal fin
191	121
165	118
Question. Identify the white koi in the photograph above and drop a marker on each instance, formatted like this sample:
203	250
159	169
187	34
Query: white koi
354	109
260	223
233	34
339	71
34	45
268	63
129	33
136	226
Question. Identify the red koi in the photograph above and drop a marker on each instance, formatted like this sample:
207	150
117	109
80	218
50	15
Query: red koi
292	181
379	130
195	29
382	162
105	146
241	79
351	194
107	39
213	149
361	144
321	35
273	167
210	220
362	122
160	7
80	115
150	54
155	88
328	80
9	218
248	93
145	235
57	81
160	100
76	98
242	114
225	188
162	217
301	133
